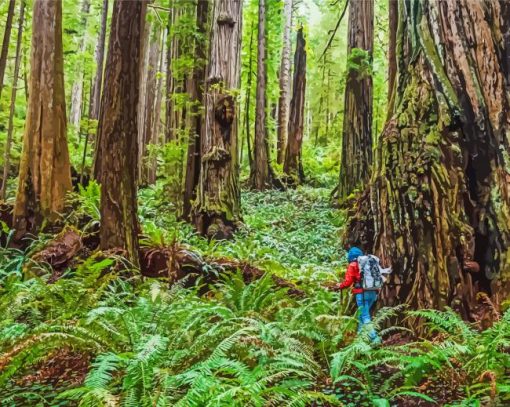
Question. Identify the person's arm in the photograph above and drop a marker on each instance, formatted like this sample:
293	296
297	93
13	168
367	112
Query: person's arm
350	277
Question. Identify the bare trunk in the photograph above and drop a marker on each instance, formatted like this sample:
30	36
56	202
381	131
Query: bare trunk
5	42
293	166
392	48
77	91
95	99
357	125
156	125
10	128
438	206
283	101
195	89
170	133
116	168
261	173
45	173
248	99
217	207
143	98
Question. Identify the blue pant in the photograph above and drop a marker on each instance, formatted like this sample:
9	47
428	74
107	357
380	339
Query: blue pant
370	298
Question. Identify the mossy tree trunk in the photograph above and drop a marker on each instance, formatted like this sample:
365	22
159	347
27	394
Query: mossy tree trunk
293	166
217	207
195	88
45	173
116	167
10	126
438	206
5	42
357	125
284	81
261	174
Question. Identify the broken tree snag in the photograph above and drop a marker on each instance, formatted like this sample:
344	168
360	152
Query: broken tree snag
116	167
293	166
45	172
357	125
216	210
439	200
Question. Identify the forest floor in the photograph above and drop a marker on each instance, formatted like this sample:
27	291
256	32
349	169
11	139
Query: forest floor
96	334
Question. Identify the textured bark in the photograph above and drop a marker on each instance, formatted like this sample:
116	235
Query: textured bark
217	208
357	125
195	90
438	206
45	173
144	95
293	166
156	125
283	101
392	47
10	128
170	133
95	99
261	173
248	98
116	168
5	42
77	90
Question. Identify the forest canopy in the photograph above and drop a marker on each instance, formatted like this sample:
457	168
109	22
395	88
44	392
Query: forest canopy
193	193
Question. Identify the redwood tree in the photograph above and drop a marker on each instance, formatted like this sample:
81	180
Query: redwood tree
45	174
438	206
5	42
357	125
283	101
117	160
217	207
97	84
10	128
293	166
195	91
261	173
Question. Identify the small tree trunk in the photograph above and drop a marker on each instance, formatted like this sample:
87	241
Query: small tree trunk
357	126
45	172
5	42
217	208
392	49
261	173
95	99
438	206
10	128
248	99
292	165
283	101
195	89
169	104
144	95
152	167
77	91
117	166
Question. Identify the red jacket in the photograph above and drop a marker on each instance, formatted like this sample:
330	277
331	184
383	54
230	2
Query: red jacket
352	276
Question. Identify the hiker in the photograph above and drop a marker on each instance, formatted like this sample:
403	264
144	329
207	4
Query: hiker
365	299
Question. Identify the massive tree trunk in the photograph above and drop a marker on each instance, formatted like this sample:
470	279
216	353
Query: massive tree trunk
117	163
261	173
283	101
195	89
10	127
45	173
5	42
217	207
392	49
357	125
293	166
77	90
438	206
95	99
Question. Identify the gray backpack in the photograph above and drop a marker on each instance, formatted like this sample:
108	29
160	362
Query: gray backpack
372	274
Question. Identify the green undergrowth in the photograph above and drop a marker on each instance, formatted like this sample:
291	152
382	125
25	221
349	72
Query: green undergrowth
102	336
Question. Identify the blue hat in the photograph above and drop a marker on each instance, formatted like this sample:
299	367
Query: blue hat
354	253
